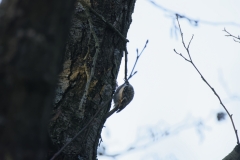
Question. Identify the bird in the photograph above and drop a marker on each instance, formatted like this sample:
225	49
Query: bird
123	96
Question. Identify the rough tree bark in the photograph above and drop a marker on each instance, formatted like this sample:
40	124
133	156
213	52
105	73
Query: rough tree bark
32	42
81	48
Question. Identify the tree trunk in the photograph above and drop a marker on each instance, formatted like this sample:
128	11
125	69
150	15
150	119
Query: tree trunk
32	42
69	116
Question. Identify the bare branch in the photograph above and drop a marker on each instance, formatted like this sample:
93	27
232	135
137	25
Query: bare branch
190	42
236	39
192	21
138	56
181	56
190	60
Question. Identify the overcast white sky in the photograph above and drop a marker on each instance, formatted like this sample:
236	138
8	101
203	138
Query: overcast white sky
169	92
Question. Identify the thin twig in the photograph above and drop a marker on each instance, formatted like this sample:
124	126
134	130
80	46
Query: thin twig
109	24
191	61
230	35
104	20
138	55
181	56
192	21
187	48
190	42
86	126
126	60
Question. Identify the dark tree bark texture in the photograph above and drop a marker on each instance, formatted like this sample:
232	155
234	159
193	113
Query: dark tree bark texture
67	117
33	35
